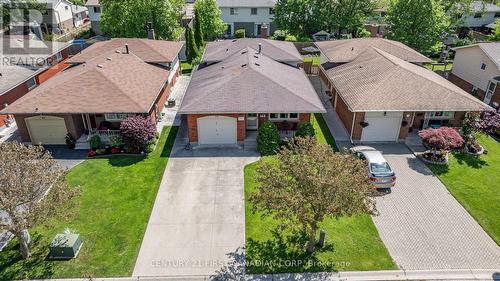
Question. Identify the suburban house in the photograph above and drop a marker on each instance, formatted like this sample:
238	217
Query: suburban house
105	84
26	63
254	16
482	14
61	16
94	15
476	69
381	93
240	85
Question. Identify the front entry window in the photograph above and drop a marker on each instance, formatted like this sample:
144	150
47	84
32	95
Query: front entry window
489	93
283	116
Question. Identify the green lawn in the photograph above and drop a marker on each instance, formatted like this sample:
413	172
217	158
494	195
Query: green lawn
315	60
352	243
114	207
187	68
474	183
323	134
440	67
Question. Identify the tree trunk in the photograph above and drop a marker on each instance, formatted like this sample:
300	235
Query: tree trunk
312	241
23	245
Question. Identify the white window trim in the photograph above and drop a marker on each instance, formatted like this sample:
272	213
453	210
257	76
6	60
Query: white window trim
113	117
256	11
447	115
233	11
59	56
283	119
32	86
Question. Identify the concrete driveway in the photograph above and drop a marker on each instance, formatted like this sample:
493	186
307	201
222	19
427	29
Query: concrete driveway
423	226
198	219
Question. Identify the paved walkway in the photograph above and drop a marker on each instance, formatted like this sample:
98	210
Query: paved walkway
198	219
423	226
169	114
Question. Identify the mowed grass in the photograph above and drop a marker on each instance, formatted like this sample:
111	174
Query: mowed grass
117	195
187	68
440	67
315	60
353	243
474	182
323	134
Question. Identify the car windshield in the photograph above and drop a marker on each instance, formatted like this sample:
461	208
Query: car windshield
380	168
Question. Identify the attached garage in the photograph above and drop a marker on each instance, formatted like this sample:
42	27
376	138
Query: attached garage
382	126
217	130
46	129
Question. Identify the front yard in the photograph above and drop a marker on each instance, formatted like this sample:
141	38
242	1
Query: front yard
114	207
473	181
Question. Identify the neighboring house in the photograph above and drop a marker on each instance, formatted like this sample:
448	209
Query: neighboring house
254	16
380	92
476	69
239	86
482	14
94	15
80	13
105	84
59	17
26	63
376	23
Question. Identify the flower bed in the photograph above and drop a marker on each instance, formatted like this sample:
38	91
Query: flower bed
440	158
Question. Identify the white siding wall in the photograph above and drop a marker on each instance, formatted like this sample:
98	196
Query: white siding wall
92	15
467	65
64	10
470	21
244	15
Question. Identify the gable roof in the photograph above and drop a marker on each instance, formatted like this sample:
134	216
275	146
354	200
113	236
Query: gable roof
118	83
480	6
379	81
341	51
13	75
92	3
246	3
492	50
248	82
278	50
151	51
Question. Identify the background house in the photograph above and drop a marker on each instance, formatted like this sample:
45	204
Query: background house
94	15
476	69
27	62
250	15
482	14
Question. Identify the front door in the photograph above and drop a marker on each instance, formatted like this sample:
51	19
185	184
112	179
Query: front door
489	92
252	121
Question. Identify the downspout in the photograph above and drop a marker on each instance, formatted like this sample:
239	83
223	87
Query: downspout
352	127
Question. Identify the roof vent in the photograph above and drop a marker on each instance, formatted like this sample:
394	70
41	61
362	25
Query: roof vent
234	40
257	64
256	57
227	50
126	48
260	48
108	58
243	65
100	66
244	52
352	49
118	51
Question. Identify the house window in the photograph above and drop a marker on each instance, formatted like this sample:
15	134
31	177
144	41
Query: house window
271	11
253	11
97	10
233	11
59	57
483	66
117	116
440	115
478	15
283	116
31	83
497	15
474	91
66	7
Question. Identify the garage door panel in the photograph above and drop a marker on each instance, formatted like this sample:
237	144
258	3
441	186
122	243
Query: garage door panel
382	127
217	130
47	130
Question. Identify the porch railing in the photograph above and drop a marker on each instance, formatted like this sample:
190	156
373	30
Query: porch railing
103	133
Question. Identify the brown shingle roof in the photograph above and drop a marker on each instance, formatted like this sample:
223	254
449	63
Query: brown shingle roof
118	83
248	82
341	51
152	51
379	81
278	50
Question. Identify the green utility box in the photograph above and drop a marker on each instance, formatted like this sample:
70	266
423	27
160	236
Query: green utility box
65	246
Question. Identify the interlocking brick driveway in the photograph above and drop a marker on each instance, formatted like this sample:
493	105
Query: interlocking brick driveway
422	224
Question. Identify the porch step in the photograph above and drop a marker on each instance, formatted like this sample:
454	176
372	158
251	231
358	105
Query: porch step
82	146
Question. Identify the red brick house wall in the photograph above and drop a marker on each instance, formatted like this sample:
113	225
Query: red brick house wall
11	96
162	99
74	124
346	116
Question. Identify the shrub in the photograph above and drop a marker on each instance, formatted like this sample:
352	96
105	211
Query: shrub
70	141
291	38
442	138
116	141
137	131
101	151
150	147
280	35
239	33
95	142
115	150
306	130
488	121
92	153
268	139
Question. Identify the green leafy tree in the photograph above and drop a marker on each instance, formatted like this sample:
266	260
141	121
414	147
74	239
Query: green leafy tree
129	18
268	139
20	10
309	182
305	130
210	18
294	16
418	24
191	50
199	38
495	34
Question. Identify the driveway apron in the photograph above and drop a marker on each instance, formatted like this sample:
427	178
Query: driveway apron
198	219
423	226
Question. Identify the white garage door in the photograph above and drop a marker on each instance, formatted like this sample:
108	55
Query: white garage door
46	129
382	127
217	130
